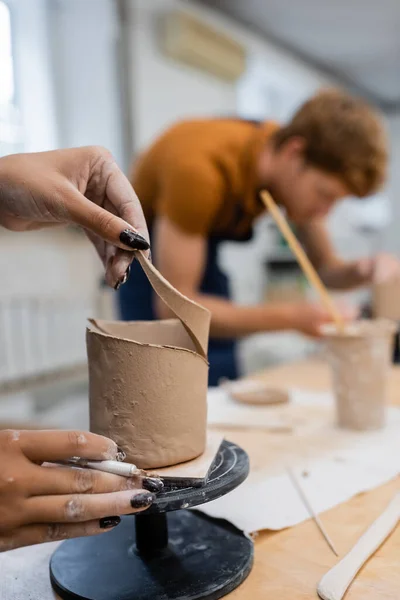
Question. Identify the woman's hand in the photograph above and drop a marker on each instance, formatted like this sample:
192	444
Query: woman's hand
83	186
40	503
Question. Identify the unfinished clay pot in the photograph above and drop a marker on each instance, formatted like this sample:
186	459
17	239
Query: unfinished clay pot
360	360
386	299
148	380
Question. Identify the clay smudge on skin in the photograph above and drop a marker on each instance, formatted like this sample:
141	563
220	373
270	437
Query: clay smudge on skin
15	436
81	440
111	453
53	532
73	509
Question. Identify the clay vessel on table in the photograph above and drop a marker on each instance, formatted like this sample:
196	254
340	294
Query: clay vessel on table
386	299
148	380
360	361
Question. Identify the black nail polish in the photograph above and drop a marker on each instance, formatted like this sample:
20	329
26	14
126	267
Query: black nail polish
142	500
153	485
109	522
133	240
127	273
117	285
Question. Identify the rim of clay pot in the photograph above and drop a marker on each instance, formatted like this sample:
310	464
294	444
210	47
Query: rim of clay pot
146	344
361	329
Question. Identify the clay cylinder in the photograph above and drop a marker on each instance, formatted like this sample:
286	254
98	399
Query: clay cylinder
360	360
386	299
148	381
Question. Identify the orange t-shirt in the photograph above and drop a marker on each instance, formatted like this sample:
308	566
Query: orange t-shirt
201	175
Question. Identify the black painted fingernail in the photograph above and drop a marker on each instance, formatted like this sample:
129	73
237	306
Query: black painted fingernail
109	522
133	240
117	285
142	500
153	485
127	273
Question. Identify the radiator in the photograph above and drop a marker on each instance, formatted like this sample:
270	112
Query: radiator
41	340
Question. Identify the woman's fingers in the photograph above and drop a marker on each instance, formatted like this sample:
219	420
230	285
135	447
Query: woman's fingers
38	534
122	196
118	268
48	445
71	480
103	223
85	507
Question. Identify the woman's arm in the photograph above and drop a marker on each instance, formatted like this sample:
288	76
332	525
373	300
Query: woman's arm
83	186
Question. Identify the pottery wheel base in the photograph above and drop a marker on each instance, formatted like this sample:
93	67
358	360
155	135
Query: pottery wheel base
184	555
205	558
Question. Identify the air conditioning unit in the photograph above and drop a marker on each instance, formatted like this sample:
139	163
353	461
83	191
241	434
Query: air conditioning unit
190	40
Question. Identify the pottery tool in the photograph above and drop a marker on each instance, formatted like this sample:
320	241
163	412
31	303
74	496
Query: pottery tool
334	584
302	258
312	513
114	467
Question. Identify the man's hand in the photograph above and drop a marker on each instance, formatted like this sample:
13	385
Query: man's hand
382	267
83	186
309	319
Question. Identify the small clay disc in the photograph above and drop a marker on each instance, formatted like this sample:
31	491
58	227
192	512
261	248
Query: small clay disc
257	393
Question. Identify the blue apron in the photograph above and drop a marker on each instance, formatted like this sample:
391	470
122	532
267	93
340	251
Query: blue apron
135	300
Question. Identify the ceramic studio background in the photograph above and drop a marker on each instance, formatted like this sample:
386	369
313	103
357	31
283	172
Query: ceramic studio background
58	58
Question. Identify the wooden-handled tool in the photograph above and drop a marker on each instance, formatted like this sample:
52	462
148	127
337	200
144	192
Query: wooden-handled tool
311	511
334	584
302	258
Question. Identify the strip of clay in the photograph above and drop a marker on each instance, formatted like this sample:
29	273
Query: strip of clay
334	584
194	317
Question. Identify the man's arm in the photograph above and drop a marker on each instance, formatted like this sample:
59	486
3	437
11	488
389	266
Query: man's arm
335	272
181	258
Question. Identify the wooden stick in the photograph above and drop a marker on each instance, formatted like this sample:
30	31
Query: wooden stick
310	510
302	258
334	584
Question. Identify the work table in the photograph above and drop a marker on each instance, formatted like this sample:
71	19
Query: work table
288	564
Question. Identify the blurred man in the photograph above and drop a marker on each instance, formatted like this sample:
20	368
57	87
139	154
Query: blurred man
199	185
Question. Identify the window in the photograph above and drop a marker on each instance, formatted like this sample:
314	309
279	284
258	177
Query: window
6	59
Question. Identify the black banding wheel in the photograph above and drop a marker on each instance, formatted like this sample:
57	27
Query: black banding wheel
183	556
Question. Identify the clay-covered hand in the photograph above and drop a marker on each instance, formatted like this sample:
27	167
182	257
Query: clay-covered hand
378	269
83	186
41	502
309	319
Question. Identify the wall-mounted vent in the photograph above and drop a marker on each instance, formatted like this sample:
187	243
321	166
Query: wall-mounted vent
188	39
